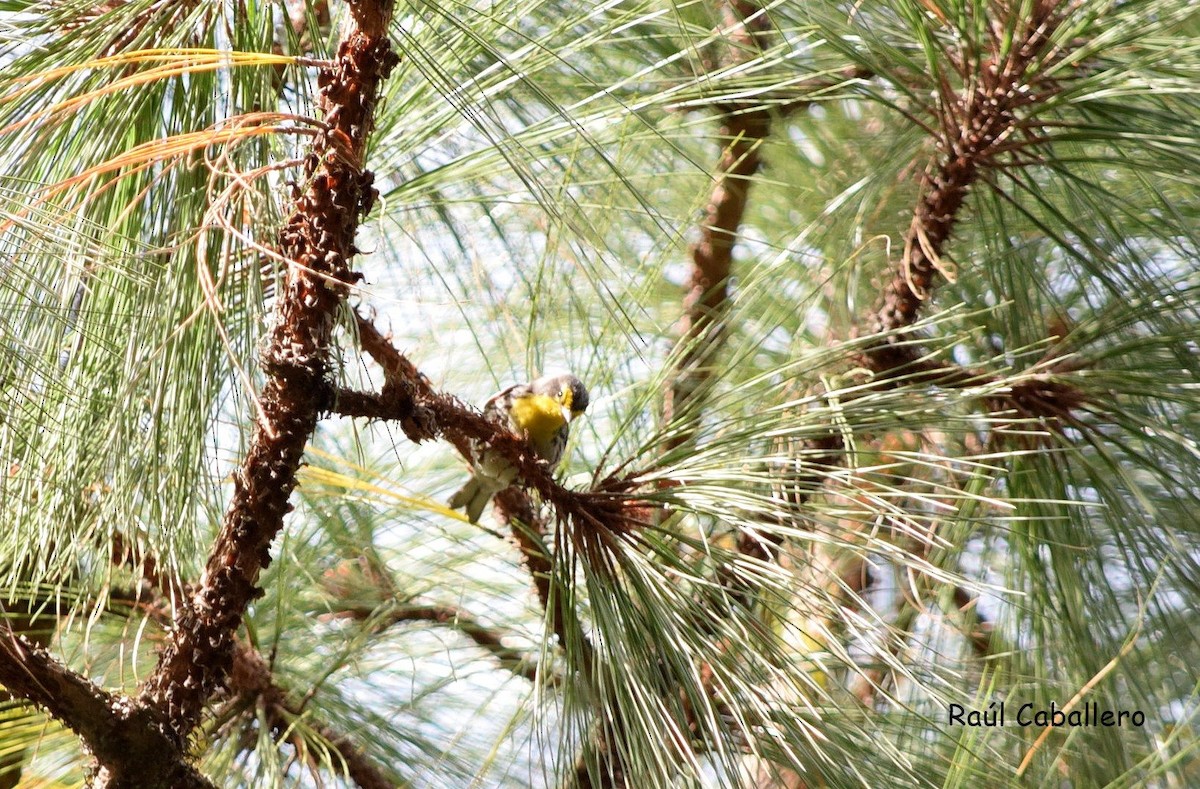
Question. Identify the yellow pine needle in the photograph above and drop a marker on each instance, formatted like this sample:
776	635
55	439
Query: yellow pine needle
176	146
176	63
336	479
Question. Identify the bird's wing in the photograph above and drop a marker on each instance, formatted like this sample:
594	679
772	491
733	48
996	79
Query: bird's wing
496	406
493	402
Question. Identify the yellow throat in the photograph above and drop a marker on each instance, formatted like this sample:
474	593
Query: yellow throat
538	416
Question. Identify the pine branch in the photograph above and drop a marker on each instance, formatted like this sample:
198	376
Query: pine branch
817	456
907	610
130	750
424	413
700	329
127	553
599	764
611	773
486	638
319	240
702	335
408	397
976	628
974	124
162	16
975	132
529	529
20	615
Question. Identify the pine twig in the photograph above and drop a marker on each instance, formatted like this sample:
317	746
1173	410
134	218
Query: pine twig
251	679
486	638
250	676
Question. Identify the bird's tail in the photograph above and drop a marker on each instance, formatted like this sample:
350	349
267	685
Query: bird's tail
474	496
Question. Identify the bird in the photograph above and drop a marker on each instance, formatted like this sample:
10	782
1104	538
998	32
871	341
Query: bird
540	412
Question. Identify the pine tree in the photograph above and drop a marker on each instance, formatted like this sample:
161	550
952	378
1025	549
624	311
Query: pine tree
889	315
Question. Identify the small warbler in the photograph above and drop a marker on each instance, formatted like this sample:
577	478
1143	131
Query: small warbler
541	413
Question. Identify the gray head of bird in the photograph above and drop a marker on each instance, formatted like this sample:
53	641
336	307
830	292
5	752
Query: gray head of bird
567	390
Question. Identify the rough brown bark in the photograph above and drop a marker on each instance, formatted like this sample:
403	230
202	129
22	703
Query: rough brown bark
529	530
318	238
19	617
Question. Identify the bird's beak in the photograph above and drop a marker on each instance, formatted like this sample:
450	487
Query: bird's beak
567	414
